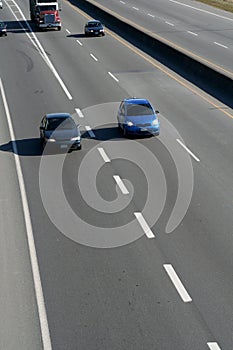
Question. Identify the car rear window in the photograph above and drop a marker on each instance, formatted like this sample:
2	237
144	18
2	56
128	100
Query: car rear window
139	109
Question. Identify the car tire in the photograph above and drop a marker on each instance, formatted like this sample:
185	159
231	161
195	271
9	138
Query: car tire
59	28
79	147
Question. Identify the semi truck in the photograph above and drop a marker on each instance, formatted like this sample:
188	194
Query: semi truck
38	6
48	19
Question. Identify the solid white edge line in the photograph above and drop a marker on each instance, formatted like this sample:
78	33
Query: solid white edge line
40	49
68	31
111	75
192	33
79	112
144	225
94	58
177	283
225	47
213	346
44	328
188	150
90	132
120	184
170	24
103	155
79	42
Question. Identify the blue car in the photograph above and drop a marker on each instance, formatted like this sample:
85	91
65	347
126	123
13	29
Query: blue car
136	116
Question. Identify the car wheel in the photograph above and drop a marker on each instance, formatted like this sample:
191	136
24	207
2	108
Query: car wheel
59	28
79	147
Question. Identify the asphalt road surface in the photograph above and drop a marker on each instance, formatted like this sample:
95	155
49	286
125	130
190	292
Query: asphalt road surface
150	269
201	30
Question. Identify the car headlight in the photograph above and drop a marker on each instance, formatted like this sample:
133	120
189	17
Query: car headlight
129	123
76	138
155	122
50	140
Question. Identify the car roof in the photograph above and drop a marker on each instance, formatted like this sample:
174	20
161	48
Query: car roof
93	21
58	115
136	101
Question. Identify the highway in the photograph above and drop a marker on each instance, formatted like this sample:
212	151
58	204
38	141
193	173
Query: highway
196	28
83	265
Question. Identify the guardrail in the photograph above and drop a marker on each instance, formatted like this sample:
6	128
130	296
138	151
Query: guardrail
213	79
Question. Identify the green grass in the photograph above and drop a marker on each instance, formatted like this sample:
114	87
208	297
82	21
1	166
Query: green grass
226	5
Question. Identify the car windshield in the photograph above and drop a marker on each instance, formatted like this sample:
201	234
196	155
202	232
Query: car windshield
2	25
46	8
94	24
139	109
62	123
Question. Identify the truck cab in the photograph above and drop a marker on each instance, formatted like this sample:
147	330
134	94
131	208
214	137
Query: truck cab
48	19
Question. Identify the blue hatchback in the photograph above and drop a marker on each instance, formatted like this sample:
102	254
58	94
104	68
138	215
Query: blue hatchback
136	116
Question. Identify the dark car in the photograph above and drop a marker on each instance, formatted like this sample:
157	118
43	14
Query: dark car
3	30
94	27
136	116
59	129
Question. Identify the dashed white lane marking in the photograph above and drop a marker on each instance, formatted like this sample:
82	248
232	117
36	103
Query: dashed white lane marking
170	24
68	31
135	8
122	2
103	155
111	75
177	283
192	33
31	35
188	150
149	14
94	58
144	225
79	112
197	9
213	346
120	184
90	132
79	42
225	47
44	328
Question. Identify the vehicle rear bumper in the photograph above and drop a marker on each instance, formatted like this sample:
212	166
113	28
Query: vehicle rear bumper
50	25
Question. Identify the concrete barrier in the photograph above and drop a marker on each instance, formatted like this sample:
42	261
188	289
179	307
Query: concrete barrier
213	79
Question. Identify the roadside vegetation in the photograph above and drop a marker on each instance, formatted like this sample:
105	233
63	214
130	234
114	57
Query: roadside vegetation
226	5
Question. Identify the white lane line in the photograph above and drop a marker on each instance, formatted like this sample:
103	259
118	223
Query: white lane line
122	2
94	58
90	132
39	48
79	112
68	31
188	150
149	14
120	184
225	47
103	155
44	328
177	283
144	225
213	346
170	24
192	33
79	42
111	75
135	8
197	9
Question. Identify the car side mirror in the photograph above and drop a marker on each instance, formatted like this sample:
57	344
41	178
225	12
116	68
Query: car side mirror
41	128
157	112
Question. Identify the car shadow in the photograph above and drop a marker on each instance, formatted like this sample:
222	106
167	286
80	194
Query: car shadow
79	35
23	147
